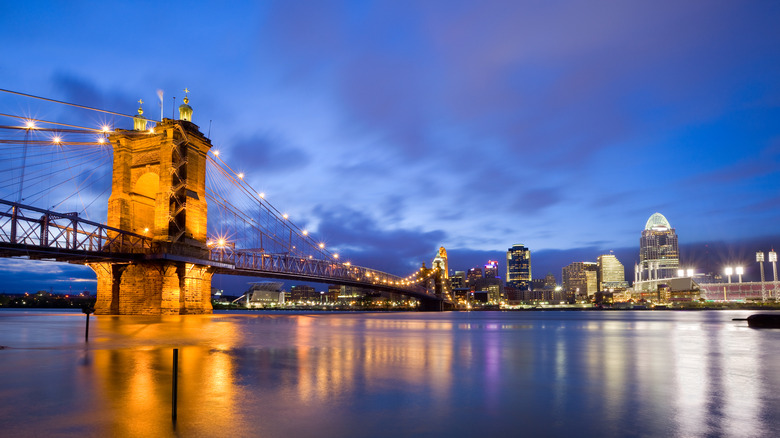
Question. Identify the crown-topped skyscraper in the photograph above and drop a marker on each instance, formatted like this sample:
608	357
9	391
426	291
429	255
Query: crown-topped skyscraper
659	256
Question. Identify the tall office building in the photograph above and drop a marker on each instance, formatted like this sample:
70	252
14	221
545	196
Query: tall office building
580	279
491	269
473	275
458	280
611	274
518	266
440	261
659	256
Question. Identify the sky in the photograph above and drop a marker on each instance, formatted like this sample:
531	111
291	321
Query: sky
391	128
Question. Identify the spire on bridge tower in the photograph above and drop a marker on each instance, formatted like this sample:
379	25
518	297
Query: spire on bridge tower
139	121
185	111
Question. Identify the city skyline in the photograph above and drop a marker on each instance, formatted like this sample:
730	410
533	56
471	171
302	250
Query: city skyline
394	129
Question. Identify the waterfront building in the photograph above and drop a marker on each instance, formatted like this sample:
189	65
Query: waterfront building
518	267
611	274
580	279
549	281
303	293
659	256
265	294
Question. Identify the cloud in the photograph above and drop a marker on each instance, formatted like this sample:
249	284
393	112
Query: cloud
361	240
267	153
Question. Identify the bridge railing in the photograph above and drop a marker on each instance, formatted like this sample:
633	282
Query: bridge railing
28	226
312	268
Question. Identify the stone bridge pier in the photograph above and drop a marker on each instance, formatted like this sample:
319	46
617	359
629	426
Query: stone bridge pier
158	190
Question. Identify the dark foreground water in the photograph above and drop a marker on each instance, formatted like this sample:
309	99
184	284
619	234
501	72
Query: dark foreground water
475	374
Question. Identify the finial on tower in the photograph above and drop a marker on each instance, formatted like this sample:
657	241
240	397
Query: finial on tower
139	122
185	111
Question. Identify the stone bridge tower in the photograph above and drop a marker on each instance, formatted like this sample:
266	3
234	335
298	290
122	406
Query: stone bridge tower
158	190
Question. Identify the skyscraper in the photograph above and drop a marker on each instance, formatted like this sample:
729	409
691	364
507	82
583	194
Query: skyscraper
611	274
518	266
659	256
580	279
440	261
491	269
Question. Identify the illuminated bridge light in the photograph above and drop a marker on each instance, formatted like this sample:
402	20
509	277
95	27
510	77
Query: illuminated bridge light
216	153
241	175
322	245
105	128
285	216
30	124
56	140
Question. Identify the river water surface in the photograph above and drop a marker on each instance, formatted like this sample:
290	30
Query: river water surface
453	374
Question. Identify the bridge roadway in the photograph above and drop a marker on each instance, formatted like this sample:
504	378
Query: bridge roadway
66	237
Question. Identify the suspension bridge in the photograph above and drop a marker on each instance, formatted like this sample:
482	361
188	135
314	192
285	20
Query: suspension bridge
155	212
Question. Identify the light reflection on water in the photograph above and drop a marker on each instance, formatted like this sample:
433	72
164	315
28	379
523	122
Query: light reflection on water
391	374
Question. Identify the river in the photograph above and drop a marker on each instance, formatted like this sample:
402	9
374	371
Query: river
449	374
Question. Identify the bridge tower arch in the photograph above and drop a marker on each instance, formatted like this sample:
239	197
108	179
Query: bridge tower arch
159	190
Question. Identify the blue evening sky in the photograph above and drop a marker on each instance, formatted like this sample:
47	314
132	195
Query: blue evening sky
394	127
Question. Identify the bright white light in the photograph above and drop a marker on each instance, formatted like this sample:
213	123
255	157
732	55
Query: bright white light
241	175
101	140
285	216
105	128
305	232
690	272
772	256
216	153
146	230
151	130
56	140
335	256
220	242
739	270
760	256
680	272
729	270
30	124
322	245
261	195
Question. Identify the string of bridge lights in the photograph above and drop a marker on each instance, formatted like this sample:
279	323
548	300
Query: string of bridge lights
30	124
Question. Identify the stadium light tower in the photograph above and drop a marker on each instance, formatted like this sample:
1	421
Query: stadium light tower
773	260
729	272
739	270
760	260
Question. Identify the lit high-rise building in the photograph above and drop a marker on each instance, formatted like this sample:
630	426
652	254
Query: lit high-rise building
440	261
518	266
473	275
458	280
580	279
491	269
659	256
611	274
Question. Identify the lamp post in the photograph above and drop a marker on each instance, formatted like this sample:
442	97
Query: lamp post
739	270
760	260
